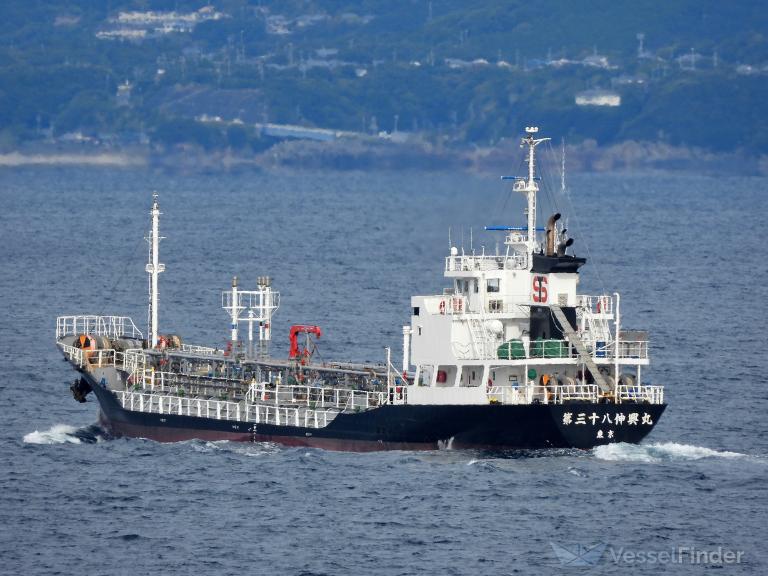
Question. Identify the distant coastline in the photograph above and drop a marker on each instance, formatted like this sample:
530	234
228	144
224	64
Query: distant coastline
119	159
353	155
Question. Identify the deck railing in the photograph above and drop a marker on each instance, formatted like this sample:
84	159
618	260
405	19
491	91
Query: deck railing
600	351
639	393
572	392
602	304
468	262
543	394
200	350
225	410
316	397
131	360
92	358
109	326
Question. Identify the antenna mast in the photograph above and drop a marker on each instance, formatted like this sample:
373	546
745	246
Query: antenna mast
562	169
154	267
528	186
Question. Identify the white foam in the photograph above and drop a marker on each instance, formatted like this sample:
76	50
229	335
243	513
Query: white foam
445	444
242	448
659	452
57	434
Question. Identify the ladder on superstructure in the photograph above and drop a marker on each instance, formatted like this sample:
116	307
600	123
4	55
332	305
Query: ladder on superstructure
479	336
578	344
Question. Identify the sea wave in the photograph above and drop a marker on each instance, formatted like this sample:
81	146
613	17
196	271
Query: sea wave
57	434
660	452
65	434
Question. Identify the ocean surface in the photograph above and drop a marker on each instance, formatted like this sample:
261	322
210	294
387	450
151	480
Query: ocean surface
346	251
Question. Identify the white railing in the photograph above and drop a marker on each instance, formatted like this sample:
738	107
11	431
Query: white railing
316	397
200	350
180	405
640	393
224	410
74	355
602	304
572	392
543	394
134	360
165	381
286	416
633	349
93	358
562	349
587	392
472	262
109	326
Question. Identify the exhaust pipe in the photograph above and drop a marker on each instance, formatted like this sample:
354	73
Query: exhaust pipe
563	246
551	233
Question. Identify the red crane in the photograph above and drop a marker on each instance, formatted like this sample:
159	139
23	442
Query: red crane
304	354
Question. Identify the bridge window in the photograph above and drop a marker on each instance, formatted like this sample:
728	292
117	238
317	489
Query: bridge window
415	310
493	285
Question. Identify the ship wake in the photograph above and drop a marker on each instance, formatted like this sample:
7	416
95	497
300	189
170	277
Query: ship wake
660	452
66	434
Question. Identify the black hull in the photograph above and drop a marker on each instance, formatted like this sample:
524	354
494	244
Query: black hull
406	427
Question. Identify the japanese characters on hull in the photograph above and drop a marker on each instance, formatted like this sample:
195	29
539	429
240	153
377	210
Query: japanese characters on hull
606	423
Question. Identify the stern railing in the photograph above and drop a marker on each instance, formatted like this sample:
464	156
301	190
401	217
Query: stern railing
640	393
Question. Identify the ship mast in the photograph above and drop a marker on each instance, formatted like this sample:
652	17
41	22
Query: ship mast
529	186
154	267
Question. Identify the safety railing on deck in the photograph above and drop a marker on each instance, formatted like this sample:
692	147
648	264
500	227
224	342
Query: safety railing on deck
634	349
164	381
572	392
552	349
92	358
200	350
316	397
469	262
602	304
640	393
225	410
543	394
109	326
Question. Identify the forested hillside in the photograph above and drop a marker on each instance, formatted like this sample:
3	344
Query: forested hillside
166	73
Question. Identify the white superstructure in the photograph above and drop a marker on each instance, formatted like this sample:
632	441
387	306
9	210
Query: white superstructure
512	326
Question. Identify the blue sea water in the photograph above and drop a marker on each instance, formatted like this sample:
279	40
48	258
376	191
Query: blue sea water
346	250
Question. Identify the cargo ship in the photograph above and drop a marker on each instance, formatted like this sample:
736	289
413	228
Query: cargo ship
509	356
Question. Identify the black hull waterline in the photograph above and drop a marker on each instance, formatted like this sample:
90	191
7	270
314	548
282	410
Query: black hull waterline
408	427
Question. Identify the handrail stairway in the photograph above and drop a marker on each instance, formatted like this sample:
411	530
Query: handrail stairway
584	354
